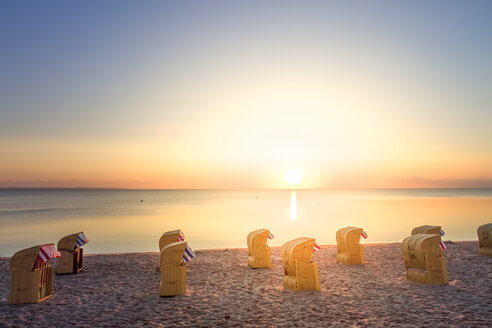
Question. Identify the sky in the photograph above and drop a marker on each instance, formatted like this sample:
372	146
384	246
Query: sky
231	94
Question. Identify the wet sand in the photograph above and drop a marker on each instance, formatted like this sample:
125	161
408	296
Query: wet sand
123	291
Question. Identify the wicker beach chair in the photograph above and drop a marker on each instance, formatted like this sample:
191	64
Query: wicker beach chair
300	272
173	270
348	249
427	229
424	259
72	253
485	239
258	249
31	276
167	238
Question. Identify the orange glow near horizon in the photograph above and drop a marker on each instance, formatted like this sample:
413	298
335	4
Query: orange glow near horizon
153	165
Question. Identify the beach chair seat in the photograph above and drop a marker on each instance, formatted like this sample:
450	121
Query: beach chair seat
485	239
300	273
31	275
426	229
259	253
348	249
173	270
72	253
167	238
424	259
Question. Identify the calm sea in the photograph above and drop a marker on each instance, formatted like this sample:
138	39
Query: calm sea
133	220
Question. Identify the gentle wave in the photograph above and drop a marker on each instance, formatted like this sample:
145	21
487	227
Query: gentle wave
35	210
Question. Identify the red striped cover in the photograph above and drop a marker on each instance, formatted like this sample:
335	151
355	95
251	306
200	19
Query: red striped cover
47	252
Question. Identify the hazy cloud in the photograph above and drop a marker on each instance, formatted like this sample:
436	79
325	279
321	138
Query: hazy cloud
420	182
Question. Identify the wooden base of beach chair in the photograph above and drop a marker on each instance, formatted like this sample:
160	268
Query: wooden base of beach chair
485	251
173	280
424	260
70	262
28	287
436	272
30	280
261	258
354	255
306	278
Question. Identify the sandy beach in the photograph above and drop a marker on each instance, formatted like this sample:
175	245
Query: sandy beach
123	291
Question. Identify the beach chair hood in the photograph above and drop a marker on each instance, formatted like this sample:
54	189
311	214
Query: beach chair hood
427	229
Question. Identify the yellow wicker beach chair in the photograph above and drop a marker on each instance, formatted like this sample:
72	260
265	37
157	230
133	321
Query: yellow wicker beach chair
258	250
300	272
427	229
166	239
348	249
485	239
71	259
31	279
424	259
173	270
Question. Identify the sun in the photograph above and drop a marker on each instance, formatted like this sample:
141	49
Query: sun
293	177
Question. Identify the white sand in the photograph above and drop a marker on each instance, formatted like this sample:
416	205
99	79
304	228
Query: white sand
123	291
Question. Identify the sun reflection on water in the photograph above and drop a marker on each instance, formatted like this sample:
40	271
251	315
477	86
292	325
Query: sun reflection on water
222	219
293	205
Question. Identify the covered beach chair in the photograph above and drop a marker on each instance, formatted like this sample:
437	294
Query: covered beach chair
173	269
348	249
426	229
167	238
424	259
70	248
31	276
258	249
300	273
485	239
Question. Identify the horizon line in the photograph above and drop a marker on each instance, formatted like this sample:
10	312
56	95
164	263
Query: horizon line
252	189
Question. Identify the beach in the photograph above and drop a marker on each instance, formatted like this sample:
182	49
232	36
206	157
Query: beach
122	290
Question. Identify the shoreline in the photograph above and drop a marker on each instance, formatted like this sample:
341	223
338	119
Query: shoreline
245	248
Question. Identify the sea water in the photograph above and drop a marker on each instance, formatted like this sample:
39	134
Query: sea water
117	221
